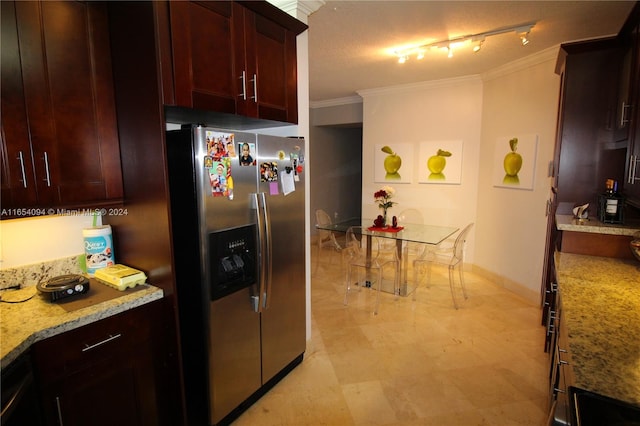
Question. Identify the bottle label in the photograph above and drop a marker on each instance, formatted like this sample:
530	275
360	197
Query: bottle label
612	207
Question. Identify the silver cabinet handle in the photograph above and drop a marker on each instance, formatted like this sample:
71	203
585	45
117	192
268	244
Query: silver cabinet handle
102	342
550	319
60	422
243	77
46	168
255	88
24	175
16	397
623	114
560	360
633	165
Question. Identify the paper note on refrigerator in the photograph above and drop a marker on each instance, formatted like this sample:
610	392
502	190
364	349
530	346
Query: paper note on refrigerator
288	185
273	188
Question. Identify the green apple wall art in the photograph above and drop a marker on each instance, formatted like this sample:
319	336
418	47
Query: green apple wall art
393	163
515	161
440	162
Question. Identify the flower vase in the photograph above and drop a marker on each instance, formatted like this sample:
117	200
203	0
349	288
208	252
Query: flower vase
384	218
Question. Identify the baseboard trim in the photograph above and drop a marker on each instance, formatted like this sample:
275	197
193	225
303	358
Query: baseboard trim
530	296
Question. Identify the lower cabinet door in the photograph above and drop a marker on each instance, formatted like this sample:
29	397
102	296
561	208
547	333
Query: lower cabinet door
106	394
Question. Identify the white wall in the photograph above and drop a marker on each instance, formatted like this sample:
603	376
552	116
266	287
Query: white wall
521	98
432	111
507	244
41	239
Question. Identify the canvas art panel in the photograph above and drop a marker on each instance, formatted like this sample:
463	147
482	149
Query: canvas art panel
440	162
393	163
515	161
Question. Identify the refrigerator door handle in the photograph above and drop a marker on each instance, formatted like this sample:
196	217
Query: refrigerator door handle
268	249
264	243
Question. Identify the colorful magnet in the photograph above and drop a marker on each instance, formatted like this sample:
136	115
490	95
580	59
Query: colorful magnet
246	157
269	171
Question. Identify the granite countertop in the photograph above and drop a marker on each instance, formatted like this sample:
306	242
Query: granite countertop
23	324
566	222
601	308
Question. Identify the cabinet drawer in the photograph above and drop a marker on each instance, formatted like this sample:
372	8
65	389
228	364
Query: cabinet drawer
108	339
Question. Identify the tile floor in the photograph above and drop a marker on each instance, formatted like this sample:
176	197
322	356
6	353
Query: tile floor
416	363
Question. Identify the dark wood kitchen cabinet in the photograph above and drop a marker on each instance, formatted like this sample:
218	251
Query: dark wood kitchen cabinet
631	38
560	370
588	149
107	373
59	133
229	58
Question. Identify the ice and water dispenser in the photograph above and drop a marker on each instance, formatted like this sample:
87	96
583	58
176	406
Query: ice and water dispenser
233	260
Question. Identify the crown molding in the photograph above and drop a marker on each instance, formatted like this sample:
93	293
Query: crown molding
336	102
549	54
296	8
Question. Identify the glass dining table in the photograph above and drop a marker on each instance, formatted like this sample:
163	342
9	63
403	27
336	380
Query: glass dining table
431	235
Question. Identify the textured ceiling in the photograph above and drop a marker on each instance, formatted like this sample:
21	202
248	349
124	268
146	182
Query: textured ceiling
350	41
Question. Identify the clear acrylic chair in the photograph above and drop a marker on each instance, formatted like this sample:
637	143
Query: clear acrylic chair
366	264
326	239
412	216
451	255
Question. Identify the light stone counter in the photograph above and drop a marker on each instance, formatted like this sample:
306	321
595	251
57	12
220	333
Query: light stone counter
22	324
601	308
594	226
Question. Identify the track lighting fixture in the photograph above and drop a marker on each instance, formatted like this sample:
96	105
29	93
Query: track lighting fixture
477	41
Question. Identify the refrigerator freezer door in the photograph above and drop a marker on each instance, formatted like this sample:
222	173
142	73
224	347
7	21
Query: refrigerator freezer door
224	210
283	321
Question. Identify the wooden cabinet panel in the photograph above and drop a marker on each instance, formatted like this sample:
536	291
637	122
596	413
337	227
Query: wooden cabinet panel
274	56
632	170
109	372
228	58
65	60
589	153
18	179
203	56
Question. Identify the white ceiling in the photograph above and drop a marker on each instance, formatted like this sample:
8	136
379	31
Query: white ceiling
349	41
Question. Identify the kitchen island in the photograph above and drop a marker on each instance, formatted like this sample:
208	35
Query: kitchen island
601	309
23	324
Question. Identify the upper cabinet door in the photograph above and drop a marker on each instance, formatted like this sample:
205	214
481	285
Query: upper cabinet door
228	58
18	178
204	62
272	69
65	68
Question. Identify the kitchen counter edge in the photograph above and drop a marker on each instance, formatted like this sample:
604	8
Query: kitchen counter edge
594	226
49	319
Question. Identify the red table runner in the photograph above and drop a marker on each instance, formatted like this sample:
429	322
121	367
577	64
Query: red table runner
386	229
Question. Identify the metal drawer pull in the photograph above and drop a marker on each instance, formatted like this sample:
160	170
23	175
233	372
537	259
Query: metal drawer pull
110	338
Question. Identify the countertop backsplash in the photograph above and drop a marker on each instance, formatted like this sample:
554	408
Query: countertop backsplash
29	275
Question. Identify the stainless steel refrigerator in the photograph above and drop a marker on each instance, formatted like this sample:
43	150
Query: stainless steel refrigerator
237	214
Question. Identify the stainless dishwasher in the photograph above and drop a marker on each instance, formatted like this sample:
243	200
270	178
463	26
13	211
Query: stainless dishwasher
20	404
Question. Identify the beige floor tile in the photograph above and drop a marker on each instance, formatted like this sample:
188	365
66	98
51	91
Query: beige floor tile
418	362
